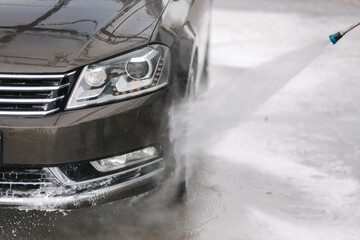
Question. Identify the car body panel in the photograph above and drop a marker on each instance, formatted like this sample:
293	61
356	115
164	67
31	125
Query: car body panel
184	27
65	35
87	134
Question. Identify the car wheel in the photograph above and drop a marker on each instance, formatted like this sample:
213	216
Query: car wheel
181	187
204	80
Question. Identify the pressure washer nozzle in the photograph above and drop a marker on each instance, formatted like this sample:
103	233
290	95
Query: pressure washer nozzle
334	38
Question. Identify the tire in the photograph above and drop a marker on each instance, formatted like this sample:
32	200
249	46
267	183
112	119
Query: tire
181	187
204	81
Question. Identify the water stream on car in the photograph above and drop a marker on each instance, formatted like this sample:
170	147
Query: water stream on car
231	99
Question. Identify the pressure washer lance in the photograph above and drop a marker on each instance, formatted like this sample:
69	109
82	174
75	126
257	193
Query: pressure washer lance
337	36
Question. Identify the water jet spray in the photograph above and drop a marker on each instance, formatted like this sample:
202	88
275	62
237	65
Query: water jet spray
334	38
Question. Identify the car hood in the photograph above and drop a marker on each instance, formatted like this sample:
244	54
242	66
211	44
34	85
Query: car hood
44	36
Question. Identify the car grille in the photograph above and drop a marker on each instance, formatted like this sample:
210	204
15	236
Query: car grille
24	182
33	95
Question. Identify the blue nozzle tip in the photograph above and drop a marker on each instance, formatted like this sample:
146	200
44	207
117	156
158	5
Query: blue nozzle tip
333	39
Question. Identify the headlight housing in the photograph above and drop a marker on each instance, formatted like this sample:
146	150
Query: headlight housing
129	75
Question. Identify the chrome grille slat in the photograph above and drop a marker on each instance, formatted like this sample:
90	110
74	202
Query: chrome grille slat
33	89
30	100
26	183
33	94
29	113
36	76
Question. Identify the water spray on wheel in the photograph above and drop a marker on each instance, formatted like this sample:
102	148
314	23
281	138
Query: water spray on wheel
334	38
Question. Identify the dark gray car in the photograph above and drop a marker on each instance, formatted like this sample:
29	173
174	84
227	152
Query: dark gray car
85	91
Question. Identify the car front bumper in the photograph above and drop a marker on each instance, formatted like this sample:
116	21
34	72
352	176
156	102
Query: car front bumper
75	137
52	192
86	134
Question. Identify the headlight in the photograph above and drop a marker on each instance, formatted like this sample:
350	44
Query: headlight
128	75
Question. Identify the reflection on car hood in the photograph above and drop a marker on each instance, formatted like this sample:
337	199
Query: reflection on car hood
58	36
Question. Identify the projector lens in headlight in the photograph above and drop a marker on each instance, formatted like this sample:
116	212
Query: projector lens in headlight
129	75
126	160
138	68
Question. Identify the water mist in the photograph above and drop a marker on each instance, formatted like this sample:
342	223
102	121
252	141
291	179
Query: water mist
197	124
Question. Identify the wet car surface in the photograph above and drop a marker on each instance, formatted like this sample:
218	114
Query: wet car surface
290	171
85	93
